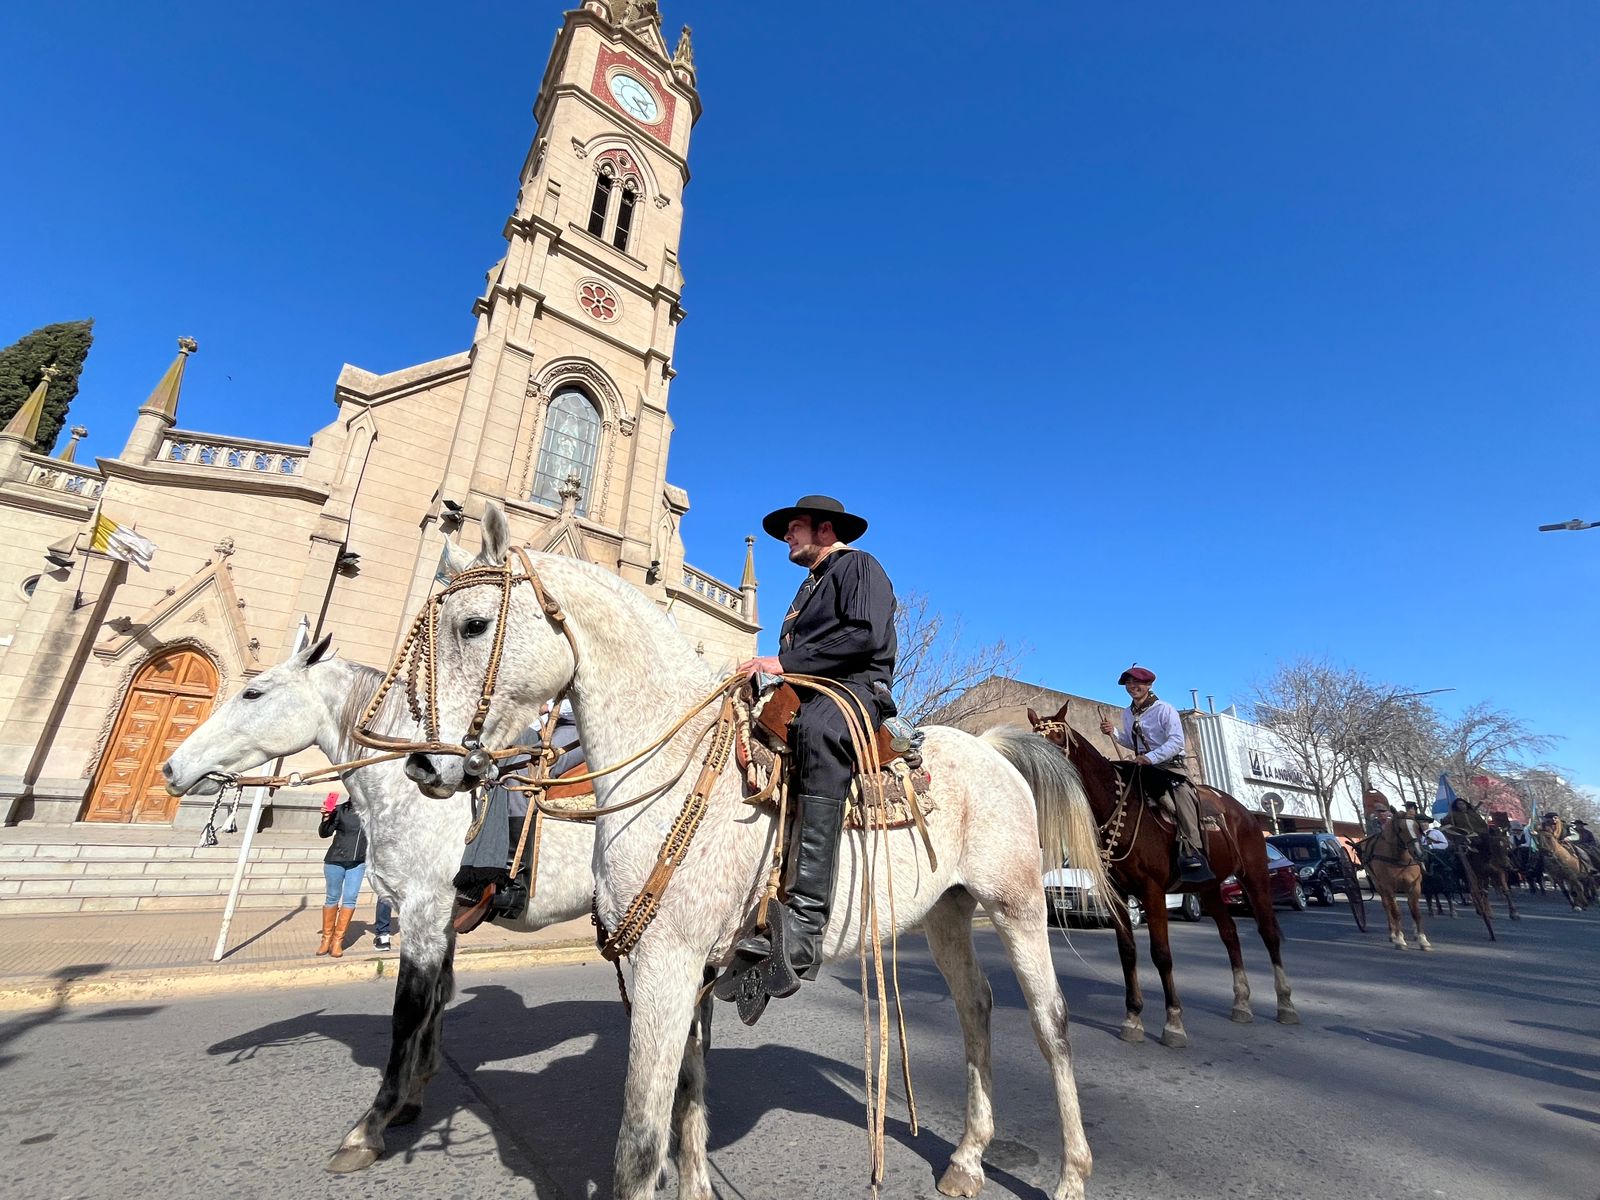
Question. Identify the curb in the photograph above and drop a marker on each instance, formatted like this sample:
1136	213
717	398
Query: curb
209	979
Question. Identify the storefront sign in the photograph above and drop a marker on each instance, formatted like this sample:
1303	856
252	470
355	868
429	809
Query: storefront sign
1262	767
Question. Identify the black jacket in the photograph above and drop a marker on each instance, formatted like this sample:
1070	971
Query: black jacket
841	624
343	825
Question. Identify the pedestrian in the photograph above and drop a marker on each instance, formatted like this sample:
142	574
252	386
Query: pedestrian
383	924
343	867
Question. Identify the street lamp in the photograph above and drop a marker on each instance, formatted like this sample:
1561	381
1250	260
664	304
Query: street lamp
1575	524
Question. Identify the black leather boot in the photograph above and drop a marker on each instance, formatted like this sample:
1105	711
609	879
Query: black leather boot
763	966
1192	867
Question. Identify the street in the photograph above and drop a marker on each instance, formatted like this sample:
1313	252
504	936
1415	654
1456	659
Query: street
1470	1073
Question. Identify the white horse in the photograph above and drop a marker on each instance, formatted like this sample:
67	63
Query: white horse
415	848
631	678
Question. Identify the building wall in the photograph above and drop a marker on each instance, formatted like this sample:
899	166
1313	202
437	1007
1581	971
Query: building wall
243	554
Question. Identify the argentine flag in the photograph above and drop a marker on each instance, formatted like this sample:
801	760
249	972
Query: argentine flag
1444	799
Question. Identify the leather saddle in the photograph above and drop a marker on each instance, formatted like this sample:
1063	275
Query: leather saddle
772	720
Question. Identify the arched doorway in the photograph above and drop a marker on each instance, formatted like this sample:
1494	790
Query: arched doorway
171	694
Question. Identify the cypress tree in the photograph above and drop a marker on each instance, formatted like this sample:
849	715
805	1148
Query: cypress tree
23	362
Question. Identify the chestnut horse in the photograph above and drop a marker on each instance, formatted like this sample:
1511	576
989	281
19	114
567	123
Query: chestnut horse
1488	852
1393	858
1137	840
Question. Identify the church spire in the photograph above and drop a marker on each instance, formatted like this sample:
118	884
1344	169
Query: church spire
747	582
24	423
70	454
159	413
164	399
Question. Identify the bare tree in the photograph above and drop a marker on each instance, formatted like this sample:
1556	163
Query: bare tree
1487	741
1317	711
1407	745
935	667
1548	787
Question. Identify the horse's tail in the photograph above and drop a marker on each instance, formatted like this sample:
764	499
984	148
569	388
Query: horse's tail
1068	832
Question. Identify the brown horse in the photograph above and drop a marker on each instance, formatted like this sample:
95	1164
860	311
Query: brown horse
1488	852
1394	863
1563	865
1136	839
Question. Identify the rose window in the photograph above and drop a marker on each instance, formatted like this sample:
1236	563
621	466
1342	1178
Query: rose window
598	301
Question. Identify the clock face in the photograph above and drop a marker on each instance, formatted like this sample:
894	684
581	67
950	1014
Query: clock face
636	99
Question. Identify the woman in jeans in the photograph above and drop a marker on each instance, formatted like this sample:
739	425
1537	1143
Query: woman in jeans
344	867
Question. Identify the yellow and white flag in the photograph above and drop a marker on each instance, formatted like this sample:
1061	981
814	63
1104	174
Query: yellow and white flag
118	541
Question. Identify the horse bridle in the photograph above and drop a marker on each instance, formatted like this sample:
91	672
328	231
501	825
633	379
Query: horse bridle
418	659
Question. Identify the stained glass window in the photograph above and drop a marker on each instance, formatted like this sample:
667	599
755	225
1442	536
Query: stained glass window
571	437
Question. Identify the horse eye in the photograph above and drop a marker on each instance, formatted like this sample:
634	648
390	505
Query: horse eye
474	627
252	693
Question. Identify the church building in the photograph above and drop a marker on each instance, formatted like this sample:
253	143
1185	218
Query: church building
558	409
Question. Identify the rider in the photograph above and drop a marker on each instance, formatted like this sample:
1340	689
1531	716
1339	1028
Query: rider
1587	847
840	626
1152	730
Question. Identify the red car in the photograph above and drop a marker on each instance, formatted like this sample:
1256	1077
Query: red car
1282	878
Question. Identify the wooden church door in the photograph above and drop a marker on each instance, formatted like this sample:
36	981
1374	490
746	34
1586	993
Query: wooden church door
170	696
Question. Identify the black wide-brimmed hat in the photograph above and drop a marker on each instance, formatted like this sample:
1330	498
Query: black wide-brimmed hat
820	508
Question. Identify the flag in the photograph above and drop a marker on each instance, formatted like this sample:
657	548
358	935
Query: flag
118	541
1445	798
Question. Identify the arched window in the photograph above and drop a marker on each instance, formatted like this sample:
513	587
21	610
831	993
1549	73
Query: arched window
571	437
614	210
599	209
619	236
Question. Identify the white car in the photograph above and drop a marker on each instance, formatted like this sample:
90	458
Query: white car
1062	894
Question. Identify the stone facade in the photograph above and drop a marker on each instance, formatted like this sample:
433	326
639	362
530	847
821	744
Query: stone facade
558	410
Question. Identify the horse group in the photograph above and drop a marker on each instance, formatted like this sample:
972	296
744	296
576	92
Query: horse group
993	803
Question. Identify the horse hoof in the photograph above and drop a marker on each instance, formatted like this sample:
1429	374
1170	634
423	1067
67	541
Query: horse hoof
348	1159
1175	1038
1288	1016
407	1114
1425	946
1132	1033
958	1181
1242	1016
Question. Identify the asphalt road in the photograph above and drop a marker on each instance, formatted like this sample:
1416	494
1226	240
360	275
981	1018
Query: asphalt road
1472	1073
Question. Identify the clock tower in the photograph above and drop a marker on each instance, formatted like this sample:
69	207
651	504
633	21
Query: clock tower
564	413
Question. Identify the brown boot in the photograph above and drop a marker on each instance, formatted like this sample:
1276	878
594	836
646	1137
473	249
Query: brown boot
340	924
329	911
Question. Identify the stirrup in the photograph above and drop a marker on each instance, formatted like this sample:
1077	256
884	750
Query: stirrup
751	983
469	918
1193	869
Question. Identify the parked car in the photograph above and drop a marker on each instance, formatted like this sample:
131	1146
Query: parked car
1319	861
1062	893
1282	879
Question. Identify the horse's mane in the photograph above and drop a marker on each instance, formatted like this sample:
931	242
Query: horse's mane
364	683
640	606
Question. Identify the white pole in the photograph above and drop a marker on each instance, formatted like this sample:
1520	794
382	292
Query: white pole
302	635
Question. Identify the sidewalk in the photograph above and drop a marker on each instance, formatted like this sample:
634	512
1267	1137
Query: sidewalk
102	957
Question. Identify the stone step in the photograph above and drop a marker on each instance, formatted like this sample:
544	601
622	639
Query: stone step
30	905
225	852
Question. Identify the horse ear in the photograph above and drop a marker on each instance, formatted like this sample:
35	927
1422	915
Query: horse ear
1033	718
1062	715
317	651
496	536
452	561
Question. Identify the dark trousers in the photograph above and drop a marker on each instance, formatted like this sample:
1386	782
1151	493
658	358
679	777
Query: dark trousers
820	738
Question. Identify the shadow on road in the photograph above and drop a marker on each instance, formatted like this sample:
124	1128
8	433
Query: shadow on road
1516	1062
66	979
578	1085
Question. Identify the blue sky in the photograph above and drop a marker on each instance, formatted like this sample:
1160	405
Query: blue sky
1202	335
